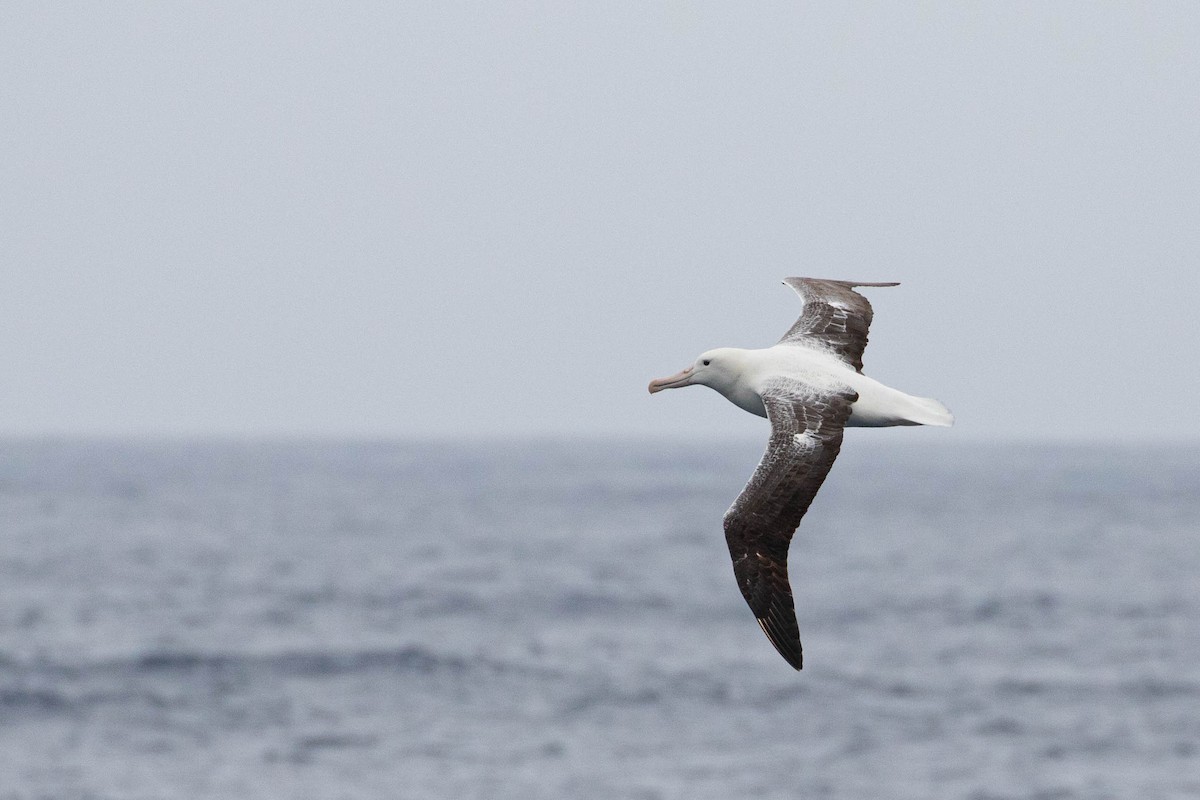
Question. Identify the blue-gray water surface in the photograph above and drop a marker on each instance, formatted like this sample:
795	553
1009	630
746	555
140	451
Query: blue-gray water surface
559	620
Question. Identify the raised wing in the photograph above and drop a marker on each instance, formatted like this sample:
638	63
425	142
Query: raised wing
835	317
806	435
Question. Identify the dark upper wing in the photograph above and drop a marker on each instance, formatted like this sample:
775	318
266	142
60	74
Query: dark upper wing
835	316
806	434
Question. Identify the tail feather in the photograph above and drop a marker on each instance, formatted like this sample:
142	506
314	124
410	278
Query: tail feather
927	411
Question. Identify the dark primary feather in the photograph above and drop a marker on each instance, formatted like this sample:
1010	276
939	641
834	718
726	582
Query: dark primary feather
835	316
806	434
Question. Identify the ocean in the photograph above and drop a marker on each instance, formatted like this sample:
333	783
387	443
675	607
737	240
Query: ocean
559	619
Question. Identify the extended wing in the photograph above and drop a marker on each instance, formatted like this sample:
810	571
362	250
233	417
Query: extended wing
835	317
806	435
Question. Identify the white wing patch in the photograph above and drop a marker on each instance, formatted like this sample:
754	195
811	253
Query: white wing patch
807	438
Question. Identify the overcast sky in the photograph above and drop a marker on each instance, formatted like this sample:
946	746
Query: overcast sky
505	218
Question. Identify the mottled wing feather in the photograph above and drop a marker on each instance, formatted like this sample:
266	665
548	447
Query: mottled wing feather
835	317
806	434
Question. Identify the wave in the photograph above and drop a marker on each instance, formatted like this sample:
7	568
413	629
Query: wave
302	663
160	679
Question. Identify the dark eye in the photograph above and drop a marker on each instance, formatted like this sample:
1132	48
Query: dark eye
706	361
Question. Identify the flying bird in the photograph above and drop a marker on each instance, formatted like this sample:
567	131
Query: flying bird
810	386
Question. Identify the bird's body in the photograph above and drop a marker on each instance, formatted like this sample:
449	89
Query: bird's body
810	386
877	406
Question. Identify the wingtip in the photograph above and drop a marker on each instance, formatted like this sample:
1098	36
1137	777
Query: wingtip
851	284
795	659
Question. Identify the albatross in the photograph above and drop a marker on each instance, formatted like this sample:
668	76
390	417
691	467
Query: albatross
810	385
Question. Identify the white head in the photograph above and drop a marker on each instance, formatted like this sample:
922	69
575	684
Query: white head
718	369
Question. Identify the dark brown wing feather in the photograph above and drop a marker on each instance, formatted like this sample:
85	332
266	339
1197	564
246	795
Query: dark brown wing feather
835	316
806	434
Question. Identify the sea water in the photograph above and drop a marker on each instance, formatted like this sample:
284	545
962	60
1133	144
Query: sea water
533	619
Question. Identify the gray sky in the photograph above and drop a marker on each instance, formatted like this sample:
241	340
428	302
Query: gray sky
505	218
